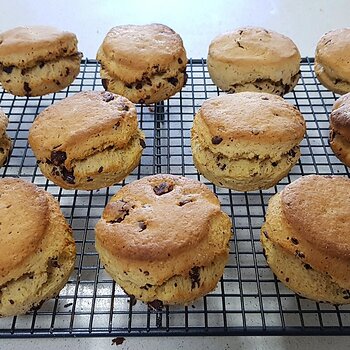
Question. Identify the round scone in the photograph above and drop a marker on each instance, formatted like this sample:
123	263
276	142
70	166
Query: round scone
37	60
87	141
5	141
254	59
306	237
37	247
145	63
332	60
246	141
339	122
164	238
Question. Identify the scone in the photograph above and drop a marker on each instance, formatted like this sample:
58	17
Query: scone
306	237
332	60
87	141
5	141
37	60
246	141
37	250
254	59
145	63
339	122
164	238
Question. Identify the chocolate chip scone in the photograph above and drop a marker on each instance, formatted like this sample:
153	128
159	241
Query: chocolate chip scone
254	59
164	238
339	123
332	60
87	141
306	237
145	63
37	60
246	141
37	250
5	141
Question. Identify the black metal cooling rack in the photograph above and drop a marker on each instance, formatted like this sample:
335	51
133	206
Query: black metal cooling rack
248	300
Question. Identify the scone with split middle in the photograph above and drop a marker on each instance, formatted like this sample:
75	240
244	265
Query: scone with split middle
145	63
37	60
164	238
5	141
306	237
332	60
254	59
339	122
37	250
246	141
87	141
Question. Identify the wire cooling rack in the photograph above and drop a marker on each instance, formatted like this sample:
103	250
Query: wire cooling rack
248	300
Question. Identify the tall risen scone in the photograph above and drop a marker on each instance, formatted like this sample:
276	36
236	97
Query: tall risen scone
87	141
5	141
254	59
38	60
246	141
306	237
145	63
164	238
332	60
37	250
339	122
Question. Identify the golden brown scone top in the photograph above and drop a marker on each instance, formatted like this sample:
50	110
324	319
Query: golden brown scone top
262	117
85	120
340	116
3	122
26	46
318	209
333	52
253	44
157	217
23	222
147	45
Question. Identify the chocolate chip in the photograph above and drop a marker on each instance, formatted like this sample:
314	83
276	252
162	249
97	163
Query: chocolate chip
287	279
223	167
239	44
142	226
300	254
266	234
291	153
155	305
142	143
146	273
138	86
294	241
54	262
41	64
58	83
173	81
195	277
118	341
100	169
8	69
105	83
68	176
274	163
107	96
89	179
216	140
27	88
265	98
129	86
307	267
11	301
179	60
163	188
185	201
146	286
67	71
23	71
58	157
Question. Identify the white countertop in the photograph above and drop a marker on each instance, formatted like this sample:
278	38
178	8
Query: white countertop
198	23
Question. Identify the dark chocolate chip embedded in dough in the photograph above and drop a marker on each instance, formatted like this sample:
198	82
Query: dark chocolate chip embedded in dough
58	157
142	226
23	71
216	140
68	175
294	241
307	267
179	60
100	169
300	254
146	273
41	64
163	188
138	86
129	86
8	69
142	143
185	201
107	96
292	153
27	88
195	277
67	71
173	80
11	301
266	234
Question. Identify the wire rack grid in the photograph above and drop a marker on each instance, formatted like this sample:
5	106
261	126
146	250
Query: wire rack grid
248	300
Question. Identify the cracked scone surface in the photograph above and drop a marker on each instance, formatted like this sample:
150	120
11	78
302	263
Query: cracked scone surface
38	250
164	238
87	141
246	141
38	60
145	63
339	123
332	60
305	237
254	59
5	141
